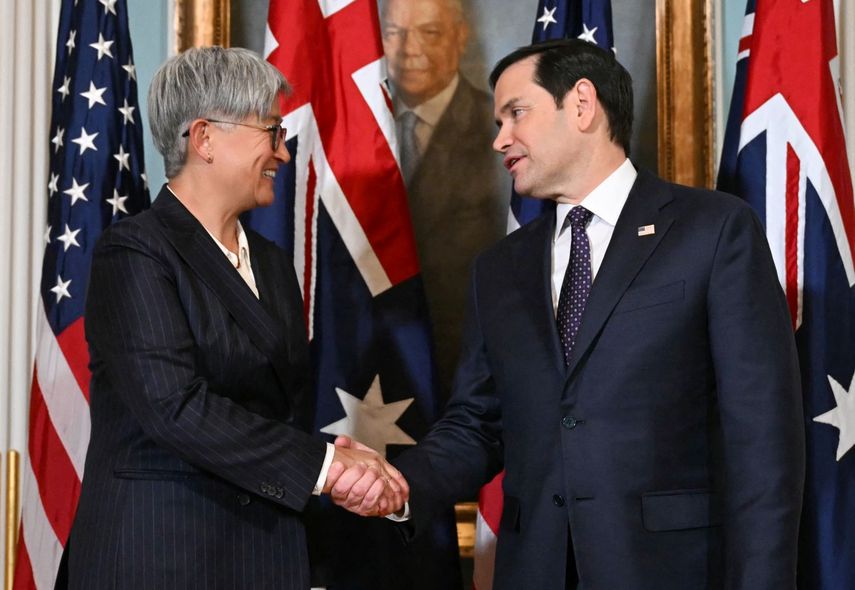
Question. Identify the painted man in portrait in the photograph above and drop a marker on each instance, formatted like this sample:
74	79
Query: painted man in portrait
445	131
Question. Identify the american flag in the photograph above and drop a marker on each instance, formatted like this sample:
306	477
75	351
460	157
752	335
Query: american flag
785	154
341	210
96	177
590	20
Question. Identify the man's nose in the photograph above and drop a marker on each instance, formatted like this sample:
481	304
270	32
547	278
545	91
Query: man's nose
411	45
503	139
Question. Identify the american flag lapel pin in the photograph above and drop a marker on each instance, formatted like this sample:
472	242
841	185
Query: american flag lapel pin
646	230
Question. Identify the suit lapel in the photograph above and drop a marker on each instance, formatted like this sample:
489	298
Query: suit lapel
626	254
535	278
204	258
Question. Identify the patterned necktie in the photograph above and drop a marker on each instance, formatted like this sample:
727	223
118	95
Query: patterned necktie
577	282
409	147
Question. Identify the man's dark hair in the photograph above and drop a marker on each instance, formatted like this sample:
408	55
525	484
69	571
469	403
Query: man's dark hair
563	62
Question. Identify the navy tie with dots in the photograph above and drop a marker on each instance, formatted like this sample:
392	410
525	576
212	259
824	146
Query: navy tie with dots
577	281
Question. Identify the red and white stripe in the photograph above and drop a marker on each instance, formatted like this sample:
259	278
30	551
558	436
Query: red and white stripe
490	503
59	435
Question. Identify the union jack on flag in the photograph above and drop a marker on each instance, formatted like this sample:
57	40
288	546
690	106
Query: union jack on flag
785	154
96	177
341	210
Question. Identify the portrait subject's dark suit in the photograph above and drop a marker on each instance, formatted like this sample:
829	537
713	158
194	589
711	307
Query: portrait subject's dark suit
199	464
671	448
458	209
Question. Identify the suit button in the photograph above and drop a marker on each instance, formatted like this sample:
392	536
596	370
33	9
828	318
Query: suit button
243	499
558	500
569	422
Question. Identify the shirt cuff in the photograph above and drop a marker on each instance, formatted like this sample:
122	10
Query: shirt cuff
403	517
325	467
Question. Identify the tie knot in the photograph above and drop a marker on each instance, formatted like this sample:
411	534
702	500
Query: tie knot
408	121
578	217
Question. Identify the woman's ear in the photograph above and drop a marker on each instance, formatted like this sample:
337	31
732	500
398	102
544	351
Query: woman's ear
199	140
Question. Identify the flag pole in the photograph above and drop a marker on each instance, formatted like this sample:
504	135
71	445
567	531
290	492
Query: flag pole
12	505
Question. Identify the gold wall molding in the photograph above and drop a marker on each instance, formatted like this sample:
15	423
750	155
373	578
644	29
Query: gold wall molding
201	23
684	91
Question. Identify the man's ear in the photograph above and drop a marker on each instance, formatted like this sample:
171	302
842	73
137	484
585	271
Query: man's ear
462	36
199	140
585	105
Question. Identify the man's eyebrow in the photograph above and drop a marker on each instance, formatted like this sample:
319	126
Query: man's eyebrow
511	103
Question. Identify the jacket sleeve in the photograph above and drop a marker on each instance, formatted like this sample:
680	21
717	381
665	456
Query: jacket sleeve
136	321
760	408
464	449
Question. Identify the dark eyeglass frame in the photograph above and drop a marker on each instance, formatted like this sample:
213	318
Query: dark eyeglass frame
277	132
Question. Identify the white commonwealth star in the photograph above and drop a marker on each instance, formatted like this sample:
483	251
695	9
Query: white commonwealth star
61	289
588	34
64	89
548	17
86	141
370	421
102	46
57	139
52	187
117	202
843	416
70	43
123	158
69	238
76	191
109	6
128	113
94	95
47	234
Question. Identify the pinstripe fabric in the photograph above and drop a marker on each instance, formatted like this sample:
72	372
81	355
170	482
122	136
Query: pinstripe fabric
199	463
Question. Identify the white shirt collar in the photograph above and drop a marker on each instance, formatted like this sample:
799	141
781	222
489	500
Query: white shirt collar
431	110
606	201
243	247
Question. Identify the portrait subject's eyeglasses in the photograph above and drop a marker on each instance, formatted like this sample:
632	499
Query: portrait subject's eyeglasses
277	132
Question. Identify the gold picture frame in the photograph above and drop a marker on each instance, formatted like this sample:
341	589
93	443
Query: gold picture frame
202	23
684	92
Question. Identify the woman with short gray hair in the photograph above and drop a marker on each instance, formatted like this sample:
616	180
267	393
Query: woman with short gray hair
200	461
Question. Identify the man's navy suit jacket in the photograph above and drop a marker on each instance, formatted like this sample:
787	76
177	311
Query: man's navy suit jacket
671	448
199	463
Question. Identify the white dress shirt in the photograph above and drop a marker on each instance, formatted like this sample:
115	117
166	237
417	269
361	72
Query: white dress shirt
606	202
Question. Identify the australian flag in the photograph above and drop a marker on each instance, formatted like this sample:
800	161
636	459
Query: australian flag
341	210
590	20
96	177
785	154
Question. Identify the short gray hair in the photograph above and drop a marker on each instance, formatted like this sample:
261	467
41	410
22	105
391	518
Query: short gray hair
205	82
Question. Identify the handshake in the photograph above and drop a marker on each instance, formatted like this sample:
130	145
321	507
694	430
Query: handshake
362	481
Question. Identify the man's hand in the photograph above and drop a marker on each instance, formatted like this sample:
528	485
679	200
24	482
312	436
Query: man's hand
361	481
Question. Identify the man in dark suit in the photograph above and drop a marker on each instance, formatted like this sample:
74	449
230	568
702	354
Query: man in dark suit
629	361
444	127
200	462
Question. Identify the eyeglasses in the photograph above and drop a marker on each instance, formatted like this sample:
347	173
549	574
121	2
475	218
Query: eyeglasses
277	132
